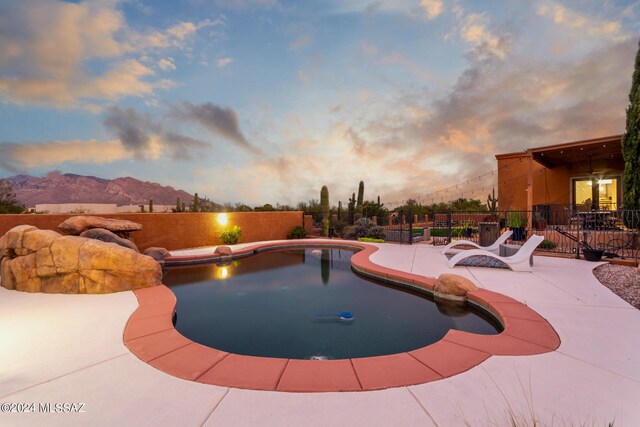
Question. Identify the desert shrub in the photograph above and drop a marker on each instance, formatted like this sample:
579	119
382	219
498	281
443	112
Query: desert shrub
232	236
339	227
298	232
364	227
516	220
547	244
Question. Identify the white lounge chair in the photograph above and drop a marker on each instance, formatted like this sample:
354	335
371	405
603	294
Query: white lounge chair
517	262
495	247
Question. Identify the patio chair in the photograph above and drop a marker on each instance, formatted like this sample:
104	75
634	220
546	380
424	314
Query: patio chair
517	262
495	247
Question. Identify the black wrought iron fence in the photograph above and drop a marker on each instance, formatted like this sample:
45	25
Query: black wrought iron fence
399	227
566	231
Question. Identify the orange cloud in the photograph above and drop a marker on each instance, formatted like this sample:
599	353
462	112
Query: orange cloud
18	157
166	64
474	30
432	8
47	44
123	79
32	154
567	17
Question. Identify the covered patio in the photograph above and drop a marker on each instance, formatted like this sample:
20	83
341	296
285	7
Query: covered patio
579	176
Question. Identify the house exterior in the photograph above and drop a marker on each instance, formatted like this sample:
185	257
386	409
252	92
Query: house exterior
580	175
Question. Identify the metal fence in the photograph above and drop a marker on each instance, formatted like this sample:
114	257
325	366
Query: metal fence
399	227
566	231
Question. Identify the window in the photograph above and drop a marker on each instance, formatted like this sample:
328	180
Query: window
596	193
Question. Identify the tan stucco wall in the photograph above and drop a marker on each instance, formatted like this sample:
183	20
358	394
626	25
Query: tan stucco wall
550	186
512	182
180	230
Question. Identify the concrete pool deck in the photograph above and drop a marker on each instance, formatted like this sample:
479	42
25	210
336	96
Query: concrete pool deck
69	349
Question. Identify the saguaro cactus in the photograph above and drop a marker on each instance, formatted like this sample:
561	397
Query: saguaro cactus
324	206
492	201
178	204
339	211
360	199
352	208
150	205
325	266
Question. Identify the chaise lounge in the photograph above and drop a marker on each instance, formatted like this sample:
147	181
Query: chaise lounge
517	262
495	247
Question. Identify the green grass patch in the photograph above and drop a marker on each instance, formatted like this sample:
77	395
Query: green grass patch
455	231
369	240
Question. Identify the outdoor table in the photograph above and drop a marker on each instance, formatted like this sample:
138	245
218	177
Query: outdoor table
595	220
509	250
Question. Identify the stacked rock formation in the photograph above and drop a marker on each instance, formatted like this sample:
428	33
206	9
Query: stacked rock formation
76	225
34	260
159	254
109	230
105	235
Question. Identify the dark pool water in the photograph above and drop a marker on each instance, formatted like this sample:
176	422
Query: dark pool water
285	303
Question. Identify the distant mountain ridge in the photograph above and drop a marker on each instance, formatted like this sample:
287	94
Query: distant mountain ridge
72	188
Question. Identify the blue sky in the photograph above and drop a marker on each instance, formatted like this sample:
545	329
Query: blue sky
265	101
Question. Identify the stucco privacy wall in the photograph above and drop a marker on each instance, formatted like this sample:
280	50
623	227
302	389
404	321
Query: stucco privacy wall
180	230
550	186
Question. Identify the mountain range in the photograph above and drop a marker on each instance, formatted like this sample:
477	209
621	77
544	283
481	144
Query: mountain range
72	188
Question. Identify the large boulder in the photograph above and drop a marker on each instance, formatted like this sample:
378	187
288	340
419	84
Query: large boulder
34	260
12	241
452	286
223	251
159	254
6	276
105	235
78	224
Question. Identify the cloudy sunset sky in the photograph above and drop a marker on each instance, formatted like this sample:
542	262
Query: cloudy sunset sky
265	101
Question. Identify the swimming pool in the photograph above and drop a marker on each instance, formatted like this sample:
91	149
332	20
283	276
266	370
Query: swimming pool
287	303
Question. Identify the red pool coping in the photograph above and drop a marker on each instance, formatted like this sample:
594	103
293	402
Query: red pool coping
151	336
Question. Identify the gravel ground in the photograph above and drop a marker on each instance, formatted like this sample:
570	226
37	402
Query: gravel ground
623	281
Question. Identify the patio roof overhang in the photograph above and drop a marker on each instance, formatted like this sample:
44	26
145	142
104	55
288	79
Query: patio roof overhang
600	153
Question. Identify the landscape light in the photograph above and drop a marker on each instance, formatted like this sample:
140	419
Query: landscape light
223	219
